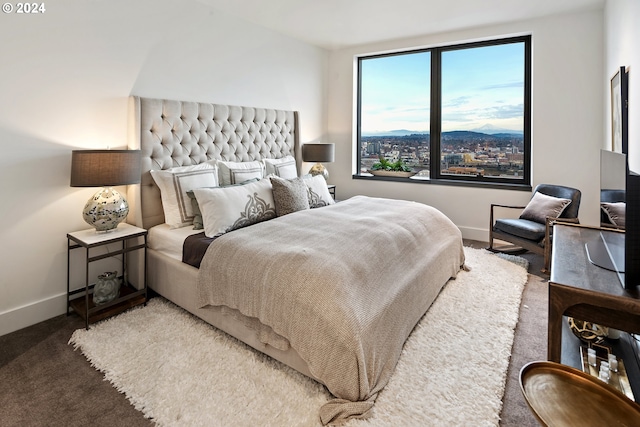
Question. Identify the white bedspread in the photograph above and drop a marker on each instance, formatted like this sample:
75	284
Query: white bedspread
345	284
168	240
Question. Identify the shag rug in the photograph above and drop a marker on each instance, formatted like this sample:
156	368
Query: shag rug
518	260
180	371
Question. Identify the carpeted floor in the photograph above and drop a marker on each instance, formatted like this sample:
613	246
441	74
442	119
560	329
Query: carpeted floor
44	382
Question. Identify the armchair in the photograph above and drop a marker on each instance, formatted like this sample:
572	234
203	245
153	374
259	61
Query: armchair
532	231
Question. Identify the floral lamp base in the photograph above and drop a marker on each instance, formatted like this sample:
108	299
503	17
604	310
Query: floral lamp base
105	210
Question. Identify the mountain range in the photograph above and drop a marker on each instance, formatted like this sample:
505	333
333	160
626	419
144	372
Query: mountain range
486	129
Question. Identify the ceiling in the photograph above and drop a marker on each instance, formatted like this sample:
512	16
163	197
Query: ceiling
335	24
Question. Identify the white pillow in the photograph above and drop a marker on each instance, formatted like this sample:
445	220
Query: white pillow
237	172
174	184
228	208
284	167
319	195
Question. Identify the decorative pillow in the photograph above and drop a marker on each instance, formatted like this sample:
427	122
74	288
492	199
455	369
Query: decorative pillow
289	195
616	212
229	208
541	206
318	192
284	167
174	184
237	172
197	214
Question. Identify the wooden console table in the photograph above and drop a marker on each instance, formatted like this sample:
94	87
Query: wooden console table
584	291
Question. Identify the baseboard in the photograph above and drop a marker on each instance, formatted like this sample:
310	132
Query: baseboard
471	233
30	314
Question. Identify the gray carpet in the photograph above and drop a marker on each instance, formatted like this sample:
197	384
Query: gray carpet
530	344
43	382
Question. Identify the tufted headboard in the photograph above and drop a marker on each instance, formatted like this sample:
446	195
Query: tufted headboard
179	133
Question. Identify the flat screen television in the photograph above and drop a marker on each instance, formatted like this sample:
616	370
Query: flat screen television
618	250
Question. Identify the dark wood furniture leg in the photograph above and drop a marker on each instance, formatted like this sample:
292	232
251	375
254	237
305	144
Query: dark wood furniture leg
597	307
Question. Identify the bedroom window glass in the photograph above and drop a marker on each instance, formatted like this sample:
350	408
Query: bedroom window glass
394	109
457	113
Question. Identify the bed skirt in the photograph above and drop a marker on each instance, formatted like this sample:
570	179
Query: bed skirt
176	281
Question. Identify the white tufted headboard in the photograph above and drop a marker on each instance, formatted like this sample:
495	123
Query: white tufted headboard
178	133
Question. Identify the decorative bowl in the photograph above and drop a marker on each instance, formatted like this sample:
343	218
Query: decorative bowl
399	174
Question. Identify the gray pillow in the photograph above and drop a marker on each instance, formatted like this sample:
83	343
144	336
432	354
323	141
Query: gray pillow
541	206
289	195
615	212
197	215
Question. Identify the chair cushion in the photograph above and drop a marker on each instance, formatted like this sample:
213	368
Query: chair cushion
541	206
523	228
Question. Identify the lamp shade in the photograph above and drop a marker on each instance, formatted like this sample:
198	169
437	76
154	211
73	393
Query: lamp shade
104	168
318	153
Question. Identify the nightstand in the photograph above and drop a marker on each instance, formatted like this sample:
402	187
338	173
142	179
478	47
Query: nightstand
332	190
128	238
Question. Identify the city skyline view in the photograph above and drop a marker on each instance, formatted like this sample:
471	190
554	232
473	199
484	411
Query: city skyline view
481	101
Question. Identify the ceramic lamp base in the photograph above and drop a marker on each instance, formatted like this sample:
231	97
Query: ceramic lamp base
319	169
105	210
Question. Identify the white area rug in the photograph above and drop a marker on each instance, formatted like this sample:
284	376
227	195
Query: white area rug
179	371
518	260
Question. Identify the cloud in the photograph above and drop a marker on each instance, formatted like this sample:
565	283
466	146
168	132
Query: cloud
420	112
505	111
503	86
457	102
508	111
459	113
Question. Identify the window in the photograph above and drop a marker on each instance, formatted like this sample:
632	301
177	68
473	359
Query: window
466	106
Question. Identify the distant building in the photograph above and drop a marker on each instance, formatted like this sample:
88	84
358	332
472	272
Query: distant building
515	157
453	159
461	170
373	148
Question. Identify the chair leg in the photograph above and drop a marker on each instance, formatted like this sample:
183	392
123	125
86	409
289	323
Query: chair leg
546	268
547	244
490	229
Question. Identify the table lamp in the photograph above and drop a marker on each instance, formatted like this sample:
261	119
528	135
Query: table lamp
105	168
318	153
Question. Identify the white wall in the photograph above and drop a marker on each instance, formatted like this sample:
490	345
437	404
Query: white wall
622	34
65	77
567	119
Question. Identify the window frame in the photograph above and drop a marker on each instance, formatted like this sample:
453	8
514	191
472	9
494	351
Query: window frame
436	114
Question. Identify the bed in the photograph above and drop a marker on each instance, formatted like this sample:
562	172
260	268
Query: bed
332	291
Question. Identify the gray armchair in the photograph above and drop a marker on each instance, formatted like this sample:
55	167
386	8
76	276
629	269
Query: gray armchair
533	230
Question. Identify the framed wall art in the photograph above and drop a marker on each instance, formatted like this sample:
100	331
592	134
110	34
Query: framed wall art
619	111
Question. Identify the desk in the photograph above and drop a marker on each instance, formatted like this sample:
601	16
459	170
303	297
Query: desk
582	290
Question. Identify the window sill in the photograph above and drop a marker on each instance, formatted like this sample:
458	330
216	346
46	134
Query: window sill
453	182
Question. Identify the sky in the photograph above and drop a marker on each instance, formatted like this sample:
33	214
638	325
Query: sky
482	86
